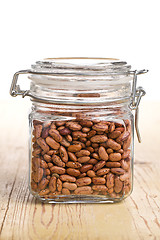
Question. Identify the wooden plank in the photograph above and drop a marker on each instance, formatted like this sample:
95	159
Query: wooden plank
23	217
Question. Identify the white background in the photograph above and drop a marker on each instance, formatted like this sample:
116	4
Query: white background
35	29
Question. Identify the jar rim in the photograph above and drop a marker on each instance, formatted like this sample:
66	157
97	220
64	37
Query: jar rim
82	66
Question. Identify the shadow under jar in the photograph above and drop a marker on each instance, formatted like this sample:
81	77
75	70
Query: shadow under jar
81	129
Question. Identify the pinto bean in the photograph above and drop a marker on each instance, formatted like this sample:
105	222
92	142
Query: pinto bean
99	188
99	165
86	168
73	172
42	143
102	153
69	186
67	178
52	143
99	139
57	161
52	184
91	173
98	180
115	157
74	148
58	170
73	164
72	156
113	164
63	153
83	181
113	145
85	190
102	171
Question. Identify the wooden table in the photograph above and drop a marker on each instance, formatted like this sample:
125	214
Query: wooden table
23	217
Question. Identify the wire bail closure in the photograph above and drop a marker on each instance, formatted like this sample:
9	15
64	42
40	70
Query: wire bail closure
137	94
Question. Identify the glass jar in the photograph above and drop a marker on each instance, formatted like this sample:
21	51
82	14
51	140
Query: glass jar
81	129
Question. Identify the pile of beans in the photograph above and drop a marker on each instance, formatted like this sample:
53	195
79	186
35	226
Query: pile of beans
81	157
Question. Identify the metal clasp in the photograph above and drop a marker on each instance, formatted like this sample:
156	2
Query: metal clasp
15	89
137	94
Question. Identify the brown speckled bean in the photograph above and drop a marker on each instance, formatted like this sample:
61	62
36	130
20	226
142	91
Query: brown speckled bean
43	164
73	164
47	157
52	184
98	139
69	186
65	191
57	161
83	181
86	168
37	175
83	159
73	172
91	173
52	143
110	180
73	126
123	136
65	143
44	192
43	184
111	127
102	153
85	190
114	134
102	171
99	188
86	123
67	178
100	127
114	157
92	161
113	164
113	145
38	131
63	154
99	165
118	185
41	142
82	153
72	156
98	180
55	134
65	131
118	171
59	185
74	148
58	170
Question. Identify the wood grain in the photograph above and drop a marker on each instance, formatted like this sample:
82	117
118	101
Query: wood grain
23	217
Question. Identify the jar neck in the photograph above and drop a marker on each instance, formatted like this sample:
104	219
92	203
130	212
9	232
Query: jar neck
81	90
111	110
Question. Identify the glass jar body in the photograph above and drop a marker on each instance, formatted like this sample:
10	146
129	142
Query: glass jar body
81	153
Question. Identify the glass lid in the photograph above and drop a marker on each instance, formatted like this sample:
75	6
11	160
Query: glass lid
82	66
